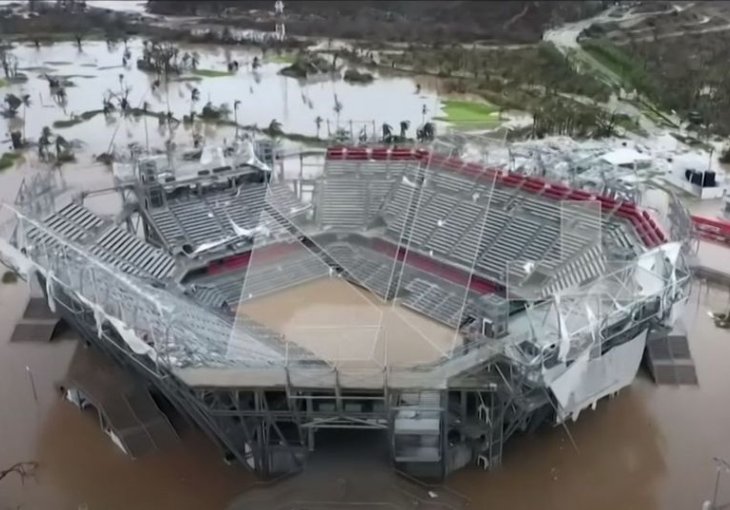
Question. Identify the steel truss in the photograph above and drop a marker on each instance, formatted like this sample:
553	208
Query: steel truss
270	430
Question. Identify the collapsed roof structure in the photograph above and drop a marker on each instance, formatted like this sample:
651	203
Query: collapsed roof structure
449	303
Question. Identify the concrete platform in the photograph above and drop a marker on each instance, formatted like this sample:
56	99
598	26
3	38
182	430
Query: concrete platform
38	323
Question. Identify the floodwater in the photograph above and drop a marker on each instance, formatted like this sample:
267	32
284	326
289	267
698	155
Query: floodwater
264	96
78	464
351	327
649	448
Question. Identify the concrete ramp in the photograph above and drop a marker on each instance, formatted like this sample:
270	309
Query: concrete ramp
38	323
128	412
668	356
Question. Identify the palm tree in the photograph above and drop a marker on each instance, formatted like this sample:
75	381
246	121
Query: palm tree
387	132
404	125
275	128
61	146
338	109
14	102
318	122
224	111
43	142
236	104
26	103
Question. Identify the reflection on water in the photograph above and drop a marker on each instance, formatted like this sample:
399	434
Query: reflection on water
263	94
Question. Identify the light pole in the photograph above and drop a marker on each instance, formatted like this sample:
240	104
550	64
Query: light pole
721	466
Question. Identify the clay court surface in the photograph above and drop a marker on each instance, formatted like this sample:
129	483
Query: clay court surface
350	327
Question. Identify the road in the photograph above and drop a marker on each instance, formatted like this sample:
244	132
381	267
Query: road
565	39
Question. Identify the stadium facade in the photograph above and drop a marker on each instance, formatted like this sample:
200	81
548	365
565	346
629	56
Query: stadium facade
444	302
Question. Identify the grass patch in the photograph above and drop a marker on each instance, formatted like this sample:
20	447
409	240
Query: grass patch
57	62
185	78
67	123
71	76
630	124
38	69
283	59
630	70
9	277
3	83
210	73
468	112
8	159
18	78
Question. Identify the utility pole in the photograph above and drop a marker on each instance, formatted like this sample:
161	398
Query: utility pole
280	25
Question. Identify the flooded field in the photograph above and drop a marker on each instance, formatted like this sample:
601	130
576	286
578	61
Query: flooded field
351	327
96	69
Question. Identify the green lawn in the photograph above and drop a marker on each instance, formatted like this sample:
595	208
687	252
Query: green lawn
9	277
282	59
8	159
186	78
210	73
468	112
66	123
3	82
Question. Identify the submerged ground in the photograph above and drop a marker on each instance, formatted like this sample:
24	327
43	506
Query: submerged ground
649	448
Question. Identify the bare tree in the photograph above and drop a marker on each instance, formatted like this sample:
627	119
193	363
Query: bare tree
23	469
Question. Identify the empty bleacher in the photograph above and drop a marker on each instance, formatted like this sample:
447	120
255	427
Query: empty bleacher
205	218
448	307
418	290
351	193
373	273
490	227
263	276
73	222
111	244
341	204
124	251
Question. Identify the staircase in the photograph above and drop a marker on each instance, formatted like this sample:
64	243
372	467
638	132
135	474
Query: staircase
668	356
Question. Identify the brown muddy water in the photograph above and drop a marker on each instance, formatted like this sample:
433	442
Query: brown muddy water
649	448
319	315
